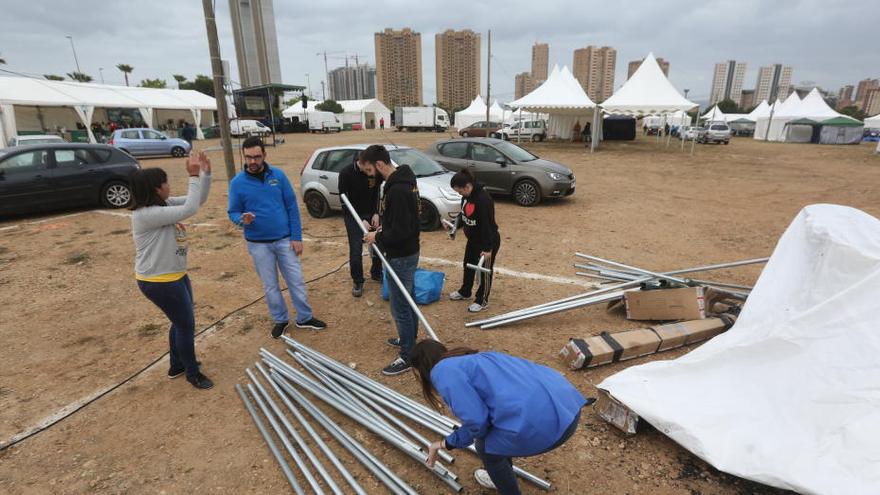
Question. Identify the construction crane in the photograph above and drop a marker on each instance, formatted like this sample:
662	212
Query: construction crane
336	55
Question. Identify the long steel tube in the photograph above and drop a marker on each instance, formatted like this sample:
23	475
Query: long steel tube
285	468
404	446
331	483
311	431
374	465
390	271
563	307
634	269
419	409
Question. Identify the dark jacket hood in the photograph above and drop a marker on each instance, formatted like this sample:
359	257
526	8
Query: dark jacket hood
403	175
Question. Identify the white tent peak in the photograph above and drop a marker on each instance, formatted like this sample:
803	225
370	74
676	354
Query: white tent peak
715	115
560	91
647	92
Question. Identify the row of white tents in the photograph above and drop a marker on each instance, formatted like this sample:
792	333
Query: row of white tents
28	104
366	112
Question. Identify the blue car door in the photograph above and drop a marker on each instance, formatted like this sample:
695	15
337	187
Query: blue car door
130	140
154	142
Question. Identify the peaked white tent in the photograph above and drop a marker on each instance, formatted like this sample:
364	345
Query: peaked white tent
873	122
678	119
773	124
37	103
563	99
762	110
365	112
714	115
496	113
783	126
475	112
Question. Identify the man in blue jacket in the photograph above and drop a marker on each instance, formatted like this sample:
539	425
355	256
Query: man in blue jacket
262	200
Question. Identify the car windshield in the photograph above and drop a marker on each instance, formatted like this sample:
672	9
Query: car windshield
516	153
719	127
420	164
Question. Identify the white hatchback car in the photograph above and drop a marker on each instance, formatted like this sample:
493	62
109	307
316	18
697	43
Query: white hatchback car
319	181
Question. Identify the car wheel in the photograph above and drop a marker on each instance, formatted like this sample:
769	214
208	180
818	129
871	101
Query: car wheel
116	194
465	134
177	152
316	204
429	219
534	138
527	193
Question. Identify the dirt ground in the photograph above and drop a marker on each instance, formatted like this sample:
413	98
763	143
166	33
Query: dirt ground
74	324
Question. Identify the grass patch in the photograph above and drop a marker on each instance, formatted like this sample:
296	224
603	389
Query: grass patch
119	232
149	330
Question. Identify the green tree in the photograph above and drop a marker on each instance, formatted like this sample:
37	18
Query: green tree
293	101
854	112
153	83
79	76
180	79
202	83
2	61
329	106
53	77
728	106
126	69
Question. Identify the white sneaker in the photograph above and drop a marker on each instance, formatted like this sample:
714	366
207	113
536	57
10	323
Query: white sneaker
482	477
476	308
455	296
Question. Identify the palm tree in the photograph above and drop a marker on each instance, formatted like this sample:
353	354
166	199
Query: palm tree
180	79
126	69
79	76
53	77
2	61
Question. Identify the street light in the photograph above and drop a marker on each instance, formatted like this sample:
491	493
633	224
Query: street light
309	84
686	92
74	52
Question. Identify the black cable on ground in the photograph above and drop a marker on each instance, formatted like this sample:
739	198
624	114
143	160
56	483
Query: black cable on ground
152	363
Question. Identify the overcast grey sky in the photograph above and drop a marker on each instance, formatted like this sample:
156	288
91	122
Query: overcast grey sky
829	42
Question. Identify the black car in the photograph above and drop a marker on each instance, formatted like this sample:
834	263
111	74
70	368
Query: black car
55	176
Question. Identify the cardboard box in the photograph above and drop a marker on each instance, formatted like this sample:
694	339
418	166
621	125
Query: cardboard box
614	412
682	333
687	303
633	343
586	353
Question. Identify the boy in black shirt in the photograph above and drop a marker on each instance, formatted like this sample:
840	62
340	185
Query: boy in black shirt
361	183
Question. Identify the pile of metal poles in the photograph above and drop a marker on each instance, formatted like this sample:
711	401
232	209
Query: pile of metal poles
622	277
374	406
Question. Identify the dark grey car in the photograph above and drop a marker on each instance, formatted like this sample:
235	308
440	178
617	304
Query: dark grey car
505	168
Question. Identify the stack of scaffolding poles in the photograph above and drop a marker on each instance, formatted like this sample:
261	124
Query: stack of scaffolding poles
624	277
379	397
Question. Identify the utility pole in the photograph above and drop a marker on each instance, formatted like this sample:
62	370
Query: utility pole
219	90
76	60
489	78
326	75
323	91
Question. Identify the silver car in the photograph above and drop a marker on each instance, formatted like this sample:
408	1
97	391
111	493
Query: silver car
319	184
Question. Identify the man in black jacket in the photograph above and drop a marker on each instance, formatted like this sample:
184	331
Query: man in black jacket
398	238
360	183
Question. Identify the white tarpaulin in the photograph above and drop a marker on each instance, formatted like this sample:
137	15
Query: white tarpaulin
873	122
790	396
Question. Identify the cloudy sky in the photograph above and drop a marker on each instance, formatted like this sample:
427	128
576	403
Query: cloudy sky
828	42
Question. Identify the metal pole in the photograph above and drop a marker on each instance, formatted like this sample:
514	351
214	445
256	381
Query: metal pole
293	433
75	59
639	270
274	448
101	72
311	431
219	91
555	309
390	271
489	78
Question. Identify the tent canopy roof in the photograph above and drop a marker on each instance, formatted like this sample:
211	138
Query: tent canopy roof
560	93
477	107
367	105
803	121
842	121
648	91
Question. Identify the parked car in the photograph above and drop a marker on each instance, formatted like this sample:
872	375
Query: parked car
688	133
35	139
319	184
505	168
530	130
53	176
714	133
480	129
148	142
245	127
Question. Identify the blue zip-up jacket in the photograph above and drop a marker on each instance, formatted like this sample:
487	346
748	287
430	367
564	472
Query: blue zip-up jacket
272	201
518	407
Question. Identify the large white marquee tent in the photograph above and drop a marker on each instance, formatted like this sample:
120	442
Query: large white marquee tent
873	122
563	99
795	120
29	104
365	112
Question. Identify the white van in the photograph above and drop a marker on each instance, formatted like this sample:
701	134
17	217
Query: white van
324	121
529	130
240	127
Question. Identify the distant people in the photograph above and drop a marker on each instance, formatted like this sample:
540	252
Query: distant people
188	133
666	129
361	184
576	131
372	123
381	123
160	263
588	133
262	200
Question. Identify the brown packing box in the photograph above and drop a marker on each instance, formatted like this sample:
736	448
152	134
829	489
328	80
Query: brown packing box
674	335
633	343
614	412
687	303
586	353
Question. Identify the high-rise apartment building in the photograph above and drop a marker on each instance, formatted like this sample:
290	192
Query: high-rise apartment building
634	66
256	44
864	87
399	67
845	96
457	55
357	82
727	82
540	61
593	67
774	83
747	101
872	102
524	84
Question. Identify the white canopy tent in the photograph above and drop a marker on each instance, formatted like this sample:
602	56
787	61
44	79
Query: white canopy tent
678	119
475	112
85	98
812	107
563	99
873	122
714	115
762	110
365	112
780	113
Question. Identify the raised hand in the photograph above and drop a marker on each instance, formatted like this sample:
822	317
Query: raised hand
193	165
204	162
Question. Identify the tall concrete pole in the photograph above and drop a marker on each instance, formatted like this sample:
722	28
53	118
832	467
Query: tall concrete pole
219	90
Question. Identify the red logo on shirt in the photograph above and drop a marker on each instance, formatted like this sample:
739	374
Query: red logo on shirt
469	209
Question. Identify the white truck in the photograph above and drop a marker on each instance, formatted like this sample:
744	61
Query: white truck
421	119
320	121
244	127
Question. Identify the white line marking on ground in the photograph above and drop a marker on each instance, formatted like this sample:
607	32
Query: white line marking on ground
518	274
9	228
113	213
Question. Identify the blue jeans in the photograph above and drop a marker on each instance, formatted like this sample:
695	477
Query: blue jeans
175	299
500	468
404	317
269	258
355	253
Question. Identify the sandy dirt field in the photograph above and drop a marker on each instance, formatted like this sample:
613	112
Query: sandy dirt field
74	324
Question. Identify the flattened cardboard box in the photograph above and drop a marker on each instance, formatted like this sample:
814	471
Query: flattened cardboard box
614	412
687	303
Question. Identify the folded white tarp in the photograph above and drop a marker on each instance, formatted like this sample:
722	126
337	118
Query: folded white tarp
790	396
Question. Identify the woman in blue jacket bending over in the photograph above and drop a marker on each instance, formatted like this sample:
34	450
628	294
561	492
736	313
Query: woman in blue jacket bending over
508	407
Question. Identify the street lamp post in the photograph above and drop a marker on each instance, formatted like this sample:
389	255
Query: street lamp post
101	71
74	52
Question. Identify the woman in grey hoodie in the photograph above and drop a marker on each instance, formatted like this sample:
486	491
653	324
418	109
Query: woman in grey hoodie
160	262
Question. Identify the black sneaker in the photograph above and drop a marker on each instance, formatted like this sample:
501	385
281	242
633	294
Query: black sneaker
395	368
200	381
357	290
175	372
278	329
314	324
376	278
393	342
